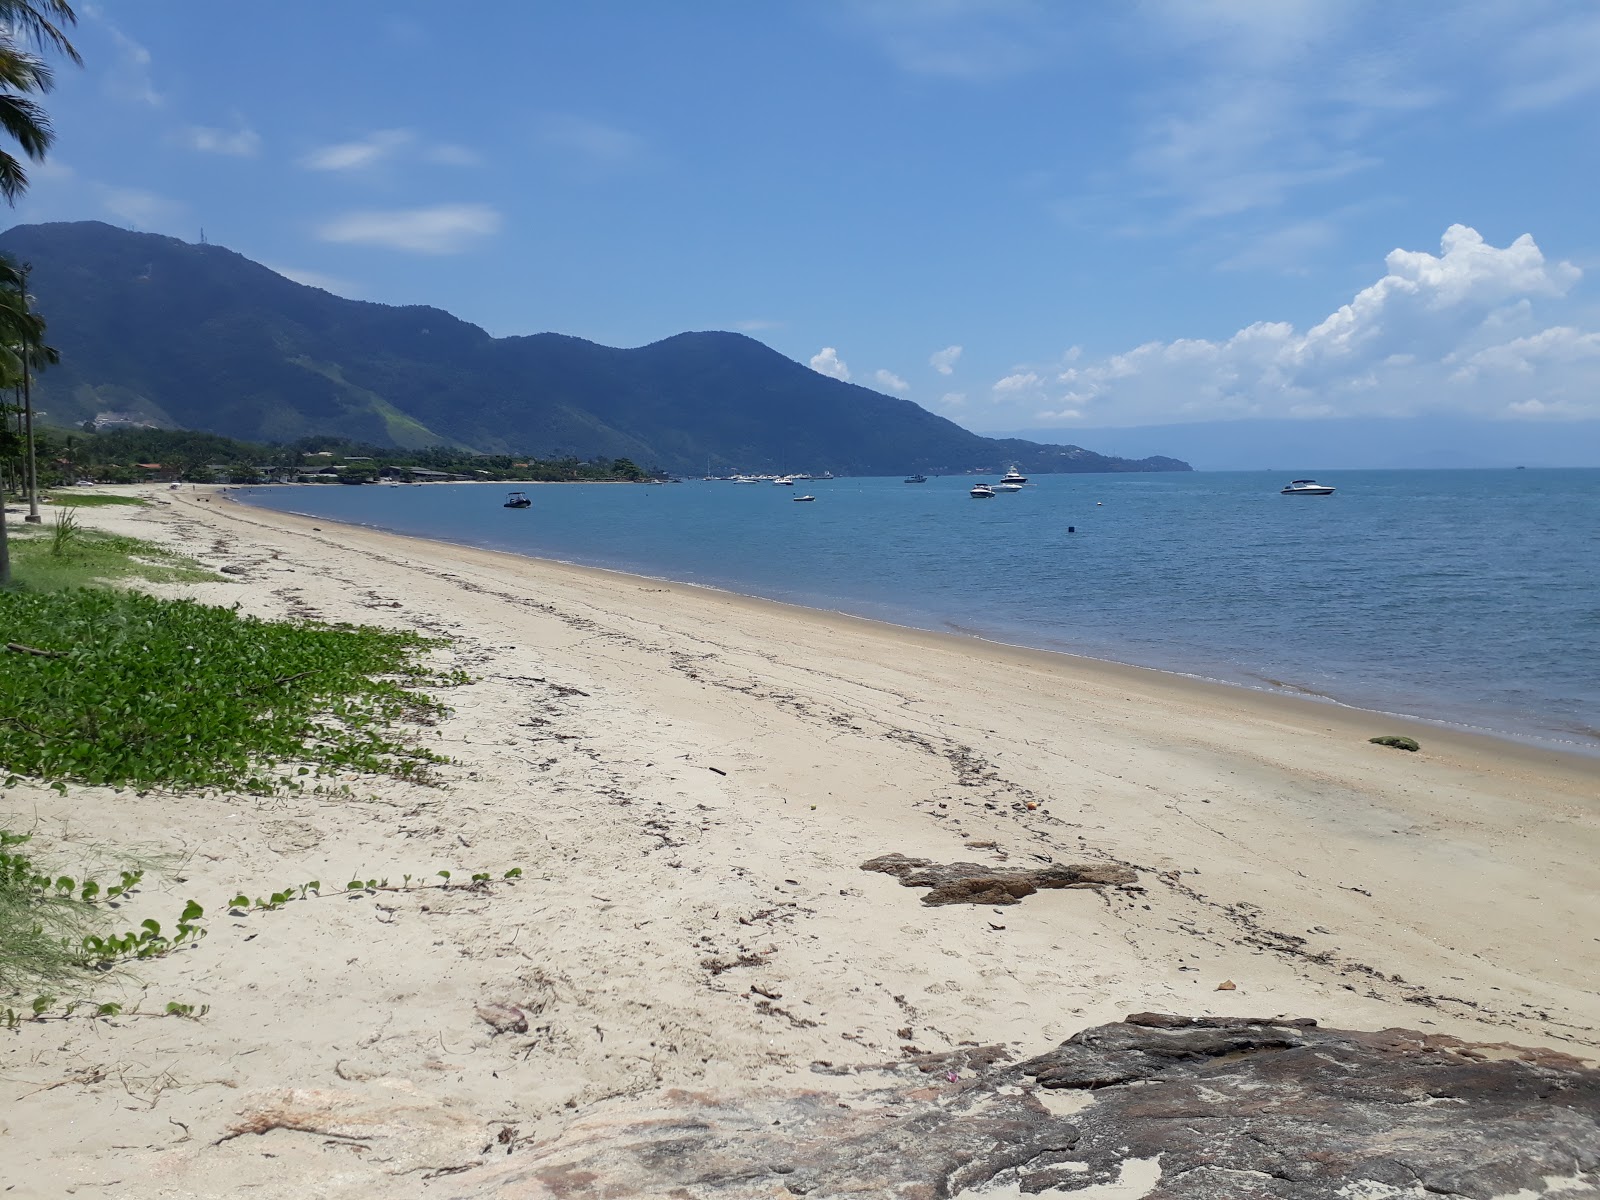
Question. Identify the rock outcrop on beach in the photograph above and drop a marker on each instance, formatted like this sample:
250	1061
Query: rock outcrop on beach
1173	1108
153	329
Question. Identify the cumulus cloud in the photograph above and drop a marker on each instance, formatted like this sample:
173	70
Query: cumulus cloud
240	143
1455	331
890	381
1019	381
827	362
944	361
442	229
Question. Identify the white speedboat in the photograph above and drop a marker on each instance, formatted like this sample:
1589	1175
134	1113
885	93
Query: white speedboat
1306	487
1014	476
783	481
802	499
981	491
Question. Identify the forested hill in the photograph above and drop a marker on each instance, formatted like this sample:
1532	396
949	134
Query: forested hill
198	337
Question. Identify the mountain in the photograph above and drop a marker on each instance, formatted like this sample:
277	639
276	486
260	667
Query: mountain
199	337
1354	443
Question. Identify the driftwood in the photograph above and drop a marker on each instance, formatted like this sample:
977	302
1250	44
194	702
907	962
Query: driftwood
19	648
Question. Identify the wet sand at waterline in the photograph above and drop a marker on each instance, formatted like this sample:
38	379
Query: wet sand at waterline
689	781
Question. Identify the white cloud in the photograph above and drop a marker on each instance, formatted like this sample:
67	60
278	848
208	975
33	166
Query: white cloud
240	143
384	146
594	143
128	76
890	381
1454	332
442	229
360	154
827	362
973	41
1020	381
944	361
1552	64
953	400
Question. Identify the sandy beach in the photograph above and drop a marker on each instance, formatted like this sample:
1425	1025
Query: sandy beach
689	782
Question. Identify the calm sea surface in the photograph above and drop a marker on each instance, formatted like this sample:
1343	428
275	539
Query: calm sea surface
1465	597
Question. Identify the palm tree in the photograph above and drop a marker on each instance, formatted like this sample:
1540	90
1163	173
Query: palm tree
28	28
27	25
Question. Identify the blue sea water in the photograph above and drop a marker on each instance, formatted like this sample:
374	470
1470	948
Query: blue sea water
1465	597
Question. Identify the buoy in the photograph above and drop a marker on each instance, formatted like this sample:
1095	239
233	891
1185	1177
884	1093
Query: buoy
1072	529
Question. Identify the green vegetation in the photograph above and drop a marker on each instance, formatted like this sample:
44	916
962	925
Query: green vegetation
55	928
1399	743
64	499
69	556
124	689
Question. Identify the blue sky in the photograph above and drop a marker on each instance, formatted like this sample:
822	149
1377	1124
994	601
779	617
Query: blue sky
1020	215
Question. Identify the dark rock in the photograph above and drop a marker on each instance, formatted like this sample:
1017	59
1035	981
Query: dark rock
974	883
1399	743
1218	1108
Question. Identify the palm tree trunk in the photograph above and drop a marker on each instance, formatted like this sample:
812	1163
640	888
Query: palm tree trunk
33	517
5	546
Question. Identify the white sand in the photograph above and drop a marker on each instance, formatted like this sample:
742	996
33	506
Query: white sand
689	781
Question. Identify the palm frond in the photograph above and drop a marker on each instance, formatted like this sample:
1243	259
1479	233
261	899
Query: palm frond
24	72
27	123
13	179
39	22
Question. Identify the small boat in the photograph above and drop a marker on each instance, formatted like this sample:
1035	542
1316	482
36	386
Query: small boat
1008	487
517	500
1013	476
981	491
916	479
1306	487
745	479
801	499
783	481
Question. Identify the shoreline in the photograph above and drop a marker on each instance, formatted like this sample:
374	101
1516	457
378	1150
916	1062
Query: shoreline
1577	755
690	782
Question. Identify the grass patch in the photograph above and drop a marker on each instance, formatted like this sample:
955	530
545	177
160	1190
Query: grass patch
90	499
67	555
133	690
39	926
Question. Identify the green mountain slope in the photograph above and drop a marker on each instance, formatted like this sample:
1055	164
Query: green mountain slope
198	337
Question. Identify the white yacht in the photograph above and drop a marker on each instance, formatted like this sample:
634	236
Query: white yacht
1014	476
981	491
1306	487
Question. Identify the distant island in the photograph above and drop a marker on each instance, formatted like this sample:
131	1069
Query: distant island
158	333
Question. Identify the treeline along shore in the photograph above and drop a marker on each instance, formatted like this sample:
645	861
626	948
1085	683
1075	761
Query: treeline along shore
122	456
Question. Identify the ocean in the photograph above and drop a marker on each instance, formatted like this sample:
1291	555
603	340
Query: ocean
1467	598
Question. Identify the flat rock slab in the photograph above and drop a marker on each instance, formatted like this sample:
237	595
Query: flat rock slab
1172	1108
975	883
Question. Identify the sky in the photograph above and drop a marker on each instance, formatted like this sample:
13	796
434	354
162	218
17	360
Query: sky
1019	215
